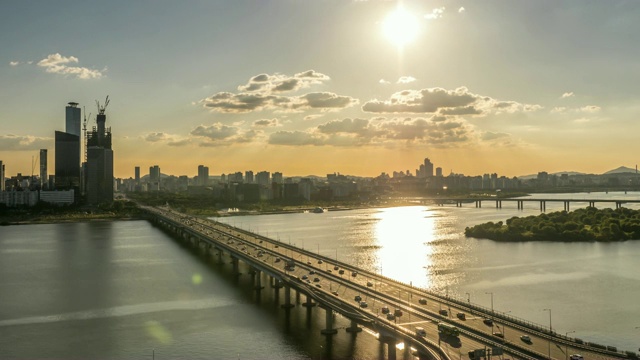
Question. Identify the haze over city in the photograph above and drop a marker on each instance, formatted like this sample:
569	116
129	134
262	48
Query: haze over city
300	87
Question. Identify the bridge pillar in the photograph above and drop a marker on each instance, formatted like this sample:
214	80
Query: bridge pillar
258	276
234	262
391	349
354	328
329	330
543	205
297	296
566	206
309	303
287	298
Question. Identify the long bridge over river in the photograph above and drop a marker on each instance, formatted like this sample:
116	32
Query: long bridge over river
519	202
395	311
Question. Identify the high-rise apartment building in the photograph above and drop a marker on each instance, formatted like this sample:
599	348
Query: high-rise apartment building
44	177
263	178
137	175
277	178
248	177
203	175
439	172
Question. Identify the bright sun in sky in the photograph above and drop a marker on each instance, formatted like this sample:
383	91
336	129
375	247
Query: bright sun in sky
400	26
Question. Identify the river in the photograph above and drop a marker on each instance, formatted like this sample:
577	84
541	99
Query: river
126	290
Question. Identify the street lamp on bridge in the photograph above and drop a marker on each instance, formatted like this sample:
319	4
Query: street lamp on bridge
566	348
550	331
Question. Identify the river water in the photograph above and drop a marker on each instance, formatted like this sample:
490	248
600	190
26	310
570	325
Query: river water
126	290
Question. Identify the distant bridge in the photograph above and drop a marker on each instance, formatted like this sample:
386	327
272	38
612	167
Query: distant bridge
520	202
316	277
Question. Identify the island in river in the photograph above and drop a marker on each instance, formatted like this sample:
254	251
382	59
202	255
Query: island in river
588	224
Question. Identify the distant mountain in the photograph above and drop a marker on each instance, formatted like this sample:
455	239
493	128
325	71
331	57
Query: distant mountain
533	176
620	170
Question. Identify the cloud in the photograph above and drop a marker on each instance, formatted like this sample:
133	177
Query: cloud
169	139
590	108
446	102
312	117
435	13
278	83
14	63
488	136
405	80
263	92
219	134
581	120
58	64
266	123
567	95
461	9
559	109
384	82
378	132
17	142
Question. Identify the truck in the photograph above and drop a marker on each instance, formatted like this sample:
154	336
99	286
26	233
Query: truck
289	265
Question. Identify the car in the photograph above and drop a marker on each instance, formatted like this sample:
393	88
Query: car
319	261
384	310
319	286
363	304
357	298
461	316
316	279
335	293
488	322
497	334
423	301
391	317
329	270
576	357
369	284
420	331
336	267
341	272
312	272
277	260
397	312
526	339
355	273
443	312
304	277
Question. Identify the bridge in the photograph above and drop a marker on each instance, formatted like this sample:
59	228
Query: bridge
520	202
395	311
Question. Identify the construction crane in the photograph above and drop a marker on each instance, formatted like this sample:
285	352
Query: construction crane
102	108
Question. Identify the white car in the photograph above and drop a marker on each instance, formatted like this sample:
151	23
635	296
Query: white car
576	357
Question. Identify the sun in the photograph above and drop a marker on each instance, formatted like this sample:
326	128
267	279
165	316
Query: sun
400	27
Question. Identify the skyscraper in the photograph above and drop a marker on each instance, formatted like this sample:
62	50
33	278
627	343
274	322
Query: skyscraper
100	161
428	168
67	161
137	175
43	169
72	119
1	176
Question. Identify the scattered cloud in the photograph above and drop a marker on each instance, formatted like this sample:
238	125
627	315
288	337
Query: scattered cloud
405	80
266	123
590	108
19	143
384	82
219	134
312	117
559	109
263	92
581	120
279	83
461	9
446	102
378	132
169	139
567	95
14	63
58	64
435	13
489	136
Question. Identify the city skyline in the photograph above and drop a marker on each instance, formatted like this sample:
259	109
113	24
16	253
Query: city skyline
314	88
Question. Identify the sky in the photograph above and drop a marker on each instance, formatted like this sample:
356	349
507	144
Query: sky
311	87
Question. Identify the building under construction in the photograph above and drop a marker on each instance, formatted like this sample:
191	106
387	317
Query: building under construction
99	160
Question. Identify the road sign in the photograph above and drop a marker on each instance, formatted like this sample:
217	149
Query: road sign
496	351
478	353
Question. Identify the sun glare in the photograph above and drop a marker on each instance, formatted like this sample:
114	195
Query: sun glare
400	27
